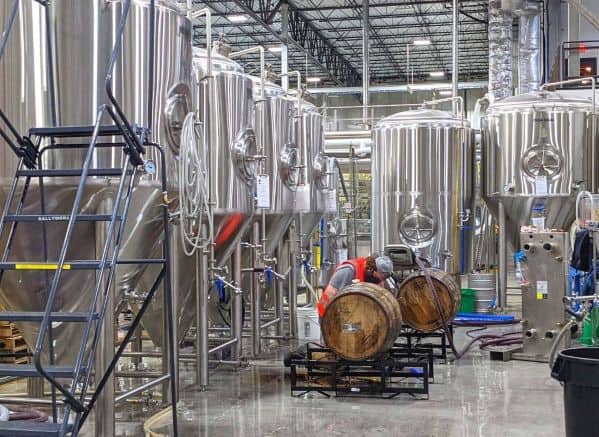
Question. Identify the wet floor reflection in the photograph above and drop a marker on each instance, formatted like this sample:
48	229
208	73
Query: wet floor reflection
471	398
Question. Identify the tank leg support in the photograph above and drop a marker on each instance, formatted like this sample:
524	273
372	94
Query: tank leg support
502	282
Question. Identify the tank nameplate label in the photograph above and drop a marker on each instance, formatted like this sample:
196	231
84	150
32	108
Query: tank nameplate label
541	184
351	328
542	290
263	191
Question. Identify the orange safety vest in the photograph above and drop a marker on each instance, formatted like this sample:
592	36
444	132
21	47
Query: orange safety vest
359	265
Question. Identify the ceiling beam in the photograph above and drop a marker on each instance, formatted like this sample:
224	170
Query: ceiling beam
389	4
309	40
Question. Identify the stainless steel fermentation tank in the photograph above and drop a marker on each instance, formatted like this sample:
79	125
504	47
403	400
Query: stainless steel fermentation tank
421	185
226	107
316	169
538	149
274	136
83	35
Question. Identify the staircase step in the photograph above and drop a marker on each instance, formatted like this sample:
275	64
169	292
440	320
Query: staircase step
68	265
34	316
29	370
74	265
59	218
21	428
74	131
69	172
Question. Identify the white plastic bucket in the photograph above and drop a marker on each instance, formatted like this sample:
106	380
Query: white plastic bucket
308	327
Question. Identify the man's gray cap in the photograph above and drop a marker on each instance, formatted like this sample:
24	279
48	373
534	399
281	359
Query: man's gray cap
384	264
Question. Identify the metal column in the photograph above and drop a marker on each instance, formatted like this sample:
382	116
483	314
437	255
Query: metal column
294	248
502	282
202	287
256	290
104	409
455	54
284	11
278	290
237	313
573	35
365	61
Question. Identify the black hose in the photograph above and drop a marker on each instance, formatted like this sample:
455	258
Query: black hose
499	339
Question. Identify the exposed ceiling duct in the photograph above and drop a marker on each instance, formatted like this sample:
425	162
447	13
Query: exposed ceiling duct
500	51
501	68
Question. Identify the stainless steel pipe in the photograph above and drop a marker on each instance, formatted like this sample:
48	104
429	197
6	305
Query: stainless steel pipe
202	320
502	283
365	60
104	423
237	314
256	291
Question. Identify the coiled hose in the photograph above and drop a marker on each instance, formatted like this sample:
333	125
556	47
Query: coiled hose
193	188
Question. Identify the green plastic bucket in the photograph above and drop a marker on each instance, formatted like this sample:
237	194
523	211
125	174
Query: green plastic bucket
468	302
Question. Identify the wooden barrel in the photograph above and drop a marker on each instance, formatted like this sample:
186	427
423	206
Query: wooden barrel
361	321
417	301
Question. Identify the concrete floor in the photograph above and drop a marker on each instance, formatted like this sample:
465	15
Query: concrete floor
471	397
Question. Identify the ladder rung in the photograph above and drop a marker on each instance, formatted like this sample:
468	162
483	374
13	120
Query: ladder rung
22	428
73	265
36	316
59	218
29	370
68	172
70	265
74	131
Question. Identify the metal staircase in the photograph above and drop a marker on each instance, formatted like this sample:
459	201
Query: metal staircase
71	384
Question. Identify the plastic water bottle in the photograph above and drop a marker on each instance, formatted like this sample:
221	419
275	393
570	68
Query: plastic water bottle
521	267
538	217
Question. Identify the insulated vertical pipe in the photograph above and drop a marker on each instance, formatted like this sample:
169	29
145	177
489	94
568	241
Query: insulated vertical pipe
365	60
237	315
502	286
529	53
500	51
455	52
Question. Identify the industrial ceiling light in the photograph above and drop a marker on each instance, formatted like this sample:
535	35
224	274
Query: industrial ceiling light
421	42
445	93
437	74
313	79
275	49
237	18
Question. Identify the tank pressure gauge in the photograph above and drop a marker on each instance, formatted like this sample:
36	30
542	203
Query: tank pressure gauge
150	167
